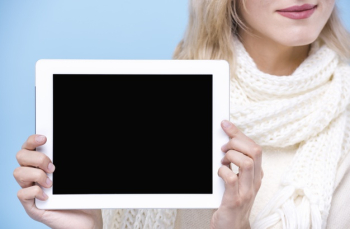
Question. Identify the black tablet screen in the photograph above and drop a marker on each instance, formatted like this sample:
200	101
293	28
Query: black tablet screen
132	134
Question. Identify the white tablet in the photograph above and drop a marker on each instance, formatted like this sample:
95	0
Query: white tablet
132	133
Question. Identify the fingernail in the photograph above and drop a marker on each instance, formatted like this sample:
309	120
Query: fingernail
222	148
226	124
51	167
48	181
44	195
39	138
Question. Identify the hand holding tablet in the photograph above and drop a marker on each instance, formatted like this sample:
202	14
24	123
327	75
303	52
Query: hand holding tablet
144	133
31	173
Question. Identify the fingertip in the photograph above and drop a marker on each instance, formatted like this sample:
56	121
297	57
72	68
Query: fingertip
226	124
51	167
40	138
44	196
223	149
33	141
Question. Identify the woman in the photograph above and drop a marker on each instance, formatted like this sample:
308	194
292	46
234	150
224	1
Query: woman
290	116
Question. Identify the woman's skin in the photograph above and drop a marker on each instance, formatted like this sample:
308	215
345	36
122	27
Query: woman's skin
240	189
32	171
277	45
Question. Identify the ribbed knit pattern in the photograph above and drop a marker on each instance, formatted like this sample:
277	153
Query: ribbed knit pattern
138	218
307	107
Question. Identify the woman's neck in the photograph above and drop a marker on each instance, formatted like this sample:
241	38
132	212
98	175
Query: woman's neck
272	57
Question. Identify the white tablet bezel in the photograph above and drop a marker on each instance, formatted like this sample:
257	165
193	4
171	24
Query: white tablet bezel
45	68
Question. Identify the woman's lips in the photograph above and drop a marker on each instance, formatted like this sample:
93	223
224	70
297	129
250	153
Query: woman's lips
298	12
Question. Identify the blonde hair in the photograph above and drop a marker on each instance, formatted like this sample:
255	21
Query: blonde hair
213	23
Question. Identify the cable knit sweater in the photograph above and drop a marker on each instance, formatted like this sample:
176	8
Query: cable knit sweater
279	159
273	163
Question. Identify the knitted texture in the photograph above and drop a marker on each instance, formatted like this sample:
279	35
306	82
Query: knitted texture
138	218
308	107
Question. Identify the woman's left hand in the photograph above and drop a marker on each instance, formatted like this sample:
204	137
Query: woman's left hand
240	188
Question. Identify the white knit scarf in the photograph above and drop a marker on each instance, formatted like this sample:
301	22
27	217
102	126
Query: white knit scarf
308	107
138	218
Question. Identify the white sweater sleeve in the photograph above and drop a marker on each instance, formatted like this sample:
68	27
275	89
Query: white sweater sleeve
338	218
339	215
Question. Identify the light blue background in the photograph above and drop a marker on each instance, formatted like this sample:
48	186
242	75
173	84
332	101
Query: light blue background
72	29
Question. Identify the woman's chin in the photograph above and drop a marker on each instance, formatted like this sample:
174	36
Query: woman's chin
296	40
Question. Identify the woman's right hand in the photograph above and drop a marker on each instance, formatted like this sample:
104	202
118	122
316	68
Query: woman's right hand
32	171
